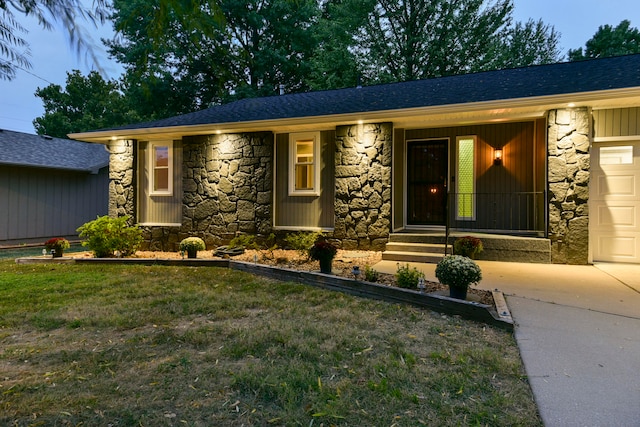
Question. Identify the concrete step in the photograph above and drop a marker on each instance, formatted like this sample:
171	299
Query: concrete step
496	247
433	248
401	256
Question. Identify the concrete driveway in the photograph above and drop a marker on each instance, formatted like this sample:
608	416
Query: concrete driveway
578	330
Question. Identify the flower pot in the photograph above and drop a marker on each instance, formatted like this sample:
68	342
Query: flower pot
458	292
325	265
192	253
58	253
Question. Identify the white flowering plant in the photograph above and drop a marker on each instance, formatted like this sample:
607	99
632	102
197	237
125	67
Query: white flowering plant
458	271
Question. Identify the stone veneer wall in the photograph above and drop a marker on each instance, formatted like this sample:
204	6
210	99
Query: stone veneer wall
122	191
363	185
569	133
228	186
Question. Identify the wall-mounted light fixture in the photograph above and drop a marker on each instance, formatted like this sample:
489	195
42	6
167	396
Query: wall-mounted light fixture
497	156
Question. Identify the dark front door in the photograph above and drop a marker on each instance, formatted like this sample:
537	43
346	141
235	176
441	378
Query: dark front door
427	182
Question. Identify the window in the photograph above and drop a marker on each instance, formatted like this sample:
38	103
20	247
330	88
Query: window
161	169
618	155
304	170
466	179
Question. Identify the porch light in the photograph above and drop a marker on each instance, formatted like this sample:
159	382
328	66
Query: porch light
497	156
433	190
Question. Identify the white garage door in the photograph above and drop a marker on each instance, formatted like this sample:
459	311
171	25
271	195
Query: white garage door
614	202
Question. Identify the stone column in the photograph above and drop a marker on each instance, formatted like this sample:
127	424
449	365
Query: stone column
363	185
228	184
569	132
121	183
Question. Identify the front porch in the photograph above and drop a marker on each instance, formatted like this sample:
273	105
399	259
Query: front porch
430	247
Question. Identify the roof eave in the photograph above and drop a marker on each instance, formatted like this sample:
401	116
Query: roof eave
497	109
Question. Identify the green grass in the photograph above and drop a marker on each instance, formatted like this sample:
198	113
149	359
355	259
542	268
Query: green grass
152	346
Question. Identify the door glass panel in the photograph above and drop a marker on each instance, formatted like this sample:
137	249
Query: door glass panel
427	182
621	155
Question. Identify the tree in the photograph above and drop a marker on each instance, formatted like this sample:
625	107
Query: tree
609	41
187	59
85	103
532	43
413	39
14	48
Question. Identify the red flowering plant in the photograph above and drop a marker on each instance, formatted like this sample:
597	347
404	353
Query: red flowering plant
468	246
322	250
58	244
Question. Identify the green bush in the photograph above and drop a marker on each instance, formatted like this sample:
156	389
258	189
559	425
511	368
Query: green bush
370	274
105	235
408	277
302	241
244	241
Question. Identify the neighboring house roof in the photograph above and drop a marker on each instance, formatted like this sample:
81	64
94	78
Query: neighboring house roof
23	149
511	84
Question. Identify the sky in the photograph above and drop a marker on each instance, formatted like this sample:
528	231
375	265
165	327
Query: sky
52	56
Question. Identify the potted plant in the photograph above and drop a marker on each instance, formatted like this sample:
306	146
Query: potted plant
468	246
458	272
324	252
191	245
57	245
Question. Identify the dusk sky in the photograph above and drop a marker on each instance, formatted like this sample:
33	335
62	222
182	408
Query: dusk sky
52	57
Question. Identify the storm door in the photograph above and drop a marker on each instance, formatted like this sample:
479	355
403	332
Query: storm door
427	182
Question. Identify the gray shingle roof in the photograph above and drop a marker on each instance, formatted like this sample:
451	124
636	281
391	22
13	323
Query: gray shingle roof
554	79
23	149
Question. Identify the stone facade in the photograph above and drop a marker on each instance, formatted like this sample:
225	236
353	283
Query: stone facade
569	133
122	191
363	185
228	186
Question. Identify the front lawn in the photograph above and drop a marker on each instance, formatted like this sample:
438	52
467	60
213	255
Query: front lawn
151	346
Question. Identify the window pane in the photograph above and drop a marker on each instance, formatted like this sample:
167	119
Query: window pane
162	156
304	177
161	179
622	155
465	178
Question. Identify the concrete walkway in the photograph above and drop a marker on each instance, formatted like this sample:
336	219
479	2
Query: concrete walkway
578	330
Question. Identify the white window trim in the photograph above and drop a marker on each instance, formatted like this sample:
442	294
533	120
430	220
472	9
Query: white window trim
293	137
152	146
473	192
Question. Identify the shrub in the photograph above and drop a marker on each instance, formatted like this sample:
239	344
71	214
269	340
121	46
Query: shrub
408	277
105	235
370	274
458	271
244	241
302	241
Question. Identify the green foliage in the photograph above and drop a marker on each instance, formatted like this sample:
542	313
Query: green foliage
244	241
14	48
371	274
458	271
86	103
106	235
192	244
609	41
408	277
302	241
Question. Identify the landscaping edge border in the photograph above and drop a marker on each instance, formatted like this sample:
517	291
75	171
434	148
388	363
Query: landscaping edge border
442	304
